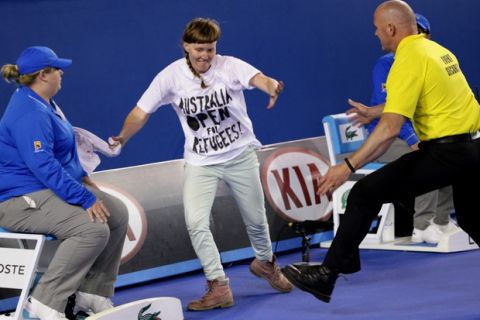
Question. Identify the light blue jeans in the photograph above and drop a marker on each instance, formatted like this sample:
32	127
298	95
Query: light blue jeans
242	175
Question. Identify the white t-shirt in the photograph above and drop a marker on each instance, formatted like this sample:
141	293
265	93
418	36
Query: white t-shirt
214	120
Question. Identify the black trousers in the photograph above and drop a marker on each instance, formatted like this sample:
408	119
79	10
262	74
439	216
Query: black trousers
434	166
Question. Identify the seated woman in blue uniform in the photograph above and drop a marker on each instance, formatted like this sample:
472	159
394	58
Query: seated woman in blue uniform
44	190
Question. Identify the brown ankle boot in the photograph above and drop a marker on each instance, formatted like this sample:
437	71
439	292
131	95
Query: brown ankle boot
271	272
218	295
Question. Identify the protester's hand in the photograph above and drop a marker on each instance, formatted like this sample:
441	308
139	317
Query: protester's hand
334	178
276	92
116	143
361	114
98	212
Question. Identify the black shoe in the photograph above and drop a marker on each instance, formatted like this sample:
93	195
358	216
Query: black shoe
304	266
69	308
69	314
318	280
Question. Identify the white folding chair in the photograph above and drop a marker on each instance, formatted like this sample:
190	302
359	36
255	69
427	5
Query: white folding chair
18	265
343	139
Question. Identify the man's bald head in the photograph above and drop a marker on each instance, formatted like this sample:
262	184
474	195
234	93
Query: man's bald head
394	21
396	11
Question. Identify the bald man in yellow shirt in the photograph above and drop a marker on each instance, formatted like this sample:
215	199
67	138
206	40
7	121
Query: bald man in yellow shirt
426	85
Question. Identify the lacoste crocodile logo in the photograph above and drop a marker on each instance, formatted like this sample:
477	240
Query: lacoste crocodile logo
344	199
350	134
148	316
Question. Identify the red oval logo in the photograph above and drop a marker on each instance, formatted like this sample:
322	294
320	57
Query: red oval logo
289	179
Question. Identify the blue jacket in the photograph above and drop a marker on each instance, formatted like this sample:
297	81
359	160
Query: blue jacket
379	95
37	151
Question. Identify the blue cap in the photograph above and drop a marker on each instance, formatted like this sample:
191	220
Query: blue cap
36	58
423	23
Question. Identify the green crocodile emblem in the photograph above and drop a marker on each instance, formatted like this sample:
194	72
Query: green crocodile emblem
148	316
350	134
344	199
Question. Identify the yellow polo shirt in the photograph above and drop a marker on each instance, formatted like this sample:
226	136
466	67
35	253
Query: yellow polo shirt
425	84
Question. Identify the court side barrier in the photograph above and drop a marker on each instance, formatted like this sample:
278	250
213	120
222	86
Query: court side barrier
164	308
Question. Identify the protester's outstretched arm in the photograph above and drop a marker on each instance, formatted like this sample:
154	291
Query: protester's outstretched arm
135	121
268	85
363	114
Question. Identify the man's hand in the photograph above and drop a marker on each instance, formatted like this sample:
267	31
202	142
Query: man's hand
361	114
334	178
